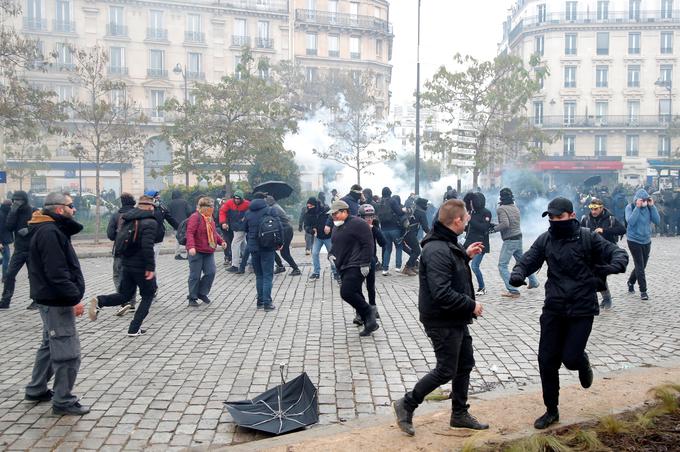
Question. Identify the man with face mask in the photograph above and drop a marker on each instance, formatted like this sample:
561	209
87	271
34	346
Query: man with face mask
231	218
639	218
352	251
446	301
576	258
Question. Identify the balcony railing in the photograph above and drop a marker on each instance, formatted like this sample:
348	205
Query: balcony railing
194	36
61	66
311	52
280	6
311	16
264	43
334	53
240	41
35	24
589	121
116	30
157	73
355	55
118	70
60	26
195	75
158	34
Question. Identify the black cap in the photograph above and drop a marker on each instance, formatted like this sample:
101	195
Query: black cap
558	206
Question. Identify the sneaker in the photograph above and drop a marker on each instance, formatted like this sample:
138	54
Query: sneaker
307	252
404	417
533	287
93	309
631	288
466	420
408	271
73	410
179	257
139	332
547	420
585	375
4	305
313	276
227	263
375	311
295	272
260	306
357	320
123	309
269	307
44	397
204	299
192	303
279	270
644	296
132	307
240	272
232	269
510	294
386	273
32	306
370	325
480	292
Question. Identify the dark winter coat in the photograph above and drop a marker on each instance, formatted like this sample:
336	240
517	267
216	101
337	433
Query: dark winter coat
54	271
612	227
140	256
232	214
352	199
179	208
162	214
479	224
17	221
394	203
573	277
257	209
446	297
419	217
352	244
378	238
315	221
5	235
112	227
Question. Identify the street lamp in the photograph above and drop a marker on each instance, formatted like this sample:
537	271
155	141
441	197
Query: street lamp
183	71
417	162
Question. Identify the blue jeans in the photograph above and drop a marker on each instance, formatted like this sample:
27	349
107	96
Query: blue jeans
263	264
6	254
474	265
316	249
512	248
201	274
391	236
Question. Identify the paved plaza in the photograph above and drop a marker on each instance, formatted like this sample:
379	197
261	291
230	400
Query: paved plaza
166	389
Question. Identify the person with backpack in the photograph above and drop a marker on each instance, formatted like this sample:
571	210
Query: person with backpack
202	239
391	217
127	202
576	259
602	222
180	210
6	237
478	231
287	239
135	243
417	221
231	217
264	235
639	218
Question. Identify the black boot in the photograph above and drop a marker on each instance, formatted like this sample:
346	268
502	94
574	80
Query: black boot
358	320
466	420
404	417
549	418
370	325
585	374
375	310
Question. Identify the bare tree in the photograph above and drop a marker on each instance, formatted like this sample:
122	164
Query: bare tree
29	155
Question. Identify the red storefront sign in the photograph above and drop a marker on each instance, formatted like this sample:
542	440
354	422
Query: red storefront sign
578	165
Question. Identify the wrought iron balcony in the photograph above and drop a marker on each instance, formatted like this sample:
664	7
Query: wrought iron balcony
280	6
334	53
355	55
370	23
312	52
240	41
592	121
118	70
264	43
194	36
158	34
62	66
35	24
195	75
60	26
113	29
157	73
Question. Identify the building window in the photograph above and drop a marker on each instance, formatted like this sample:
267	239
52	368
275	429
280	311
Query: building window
540	13
193	32
263	39
355	48
34	12
194	66
569	145
664	146
354	11
310	74
666	9
64	56
379	82
118	96
156	30
311	44
333	46
634	76
666	74
569	113
667	42
157	102
539	47
632	145
634	9
570	44
664	110
238	70
378	48
240	37
601	112
602	10
156	64
333	8
603	43
601	76
116	21
117	61
570	76
600	145
570	10
633	112
263	69
634	43
63	21
538	113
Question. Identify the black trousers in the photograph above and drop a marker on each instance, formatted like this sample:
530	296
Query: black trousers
563	341
17	261
640	255
370	283
129	282
413	249
285	251
455	360
228	237
350	291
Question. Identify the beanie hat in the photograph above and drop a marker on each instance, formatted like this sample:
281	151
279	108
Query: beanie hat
238	194
356	188
312	201
126	199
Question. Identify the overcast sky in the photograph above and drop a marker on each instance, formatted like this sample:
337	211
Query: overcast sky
447	27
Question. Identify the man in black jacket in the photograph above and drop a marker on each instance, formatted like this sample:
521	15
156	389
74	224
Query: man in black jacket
127	202
478	230
139	266
390	215
57	287
352	252
6	237
316	218
602	222
417	221
576	258
17	223
447	305
179	210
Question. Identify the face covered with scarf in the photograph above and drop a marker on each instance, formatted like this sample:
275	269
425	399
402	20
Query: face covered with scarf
206	207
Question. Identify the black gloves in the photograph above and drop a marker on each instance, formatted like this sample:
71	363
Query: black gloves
517	280
604	270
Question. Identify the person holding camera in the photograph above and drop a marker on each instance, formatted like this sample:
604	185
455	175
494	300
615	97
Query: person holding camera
16	222
639	218
161	214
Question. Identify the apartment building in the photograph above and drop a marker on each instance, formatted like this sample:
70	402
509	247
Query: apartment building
609	96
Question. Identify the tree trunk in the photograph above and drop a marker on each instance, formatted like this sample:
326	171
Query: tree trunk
97	215
475	177
120	180
359	177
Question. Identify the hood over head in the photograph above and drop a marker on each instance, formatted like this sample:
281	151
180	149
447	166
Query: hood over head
422	203
312	201
368	194
321	197
479	201
386	192
641	194
257	204
176	194
21	196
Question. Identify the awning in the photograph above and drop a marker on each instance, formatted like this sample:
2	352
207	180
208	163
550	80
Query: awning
578	165
664	164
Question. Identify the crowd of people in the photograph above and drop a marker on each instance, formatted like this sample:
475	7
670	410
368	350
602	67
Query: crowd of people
579	252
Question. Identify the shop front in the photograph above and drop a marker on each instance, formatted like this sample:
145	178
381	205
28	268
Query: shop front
573	171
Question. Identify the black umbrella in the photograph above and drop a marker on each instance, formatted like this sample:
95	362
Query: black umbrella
592	180
282	409
276	188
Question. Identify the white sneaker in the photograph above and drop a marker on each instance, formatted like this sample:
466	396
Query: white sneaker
386	273
93	309
480	292
123	309
138	333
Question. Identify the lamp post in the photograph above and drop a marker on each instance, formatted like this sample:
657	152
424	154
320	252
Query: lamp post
79	150
417	162
183	71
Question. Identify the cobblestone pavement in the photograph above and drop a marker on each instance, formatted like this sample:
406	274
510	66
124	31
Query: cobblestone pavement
167	388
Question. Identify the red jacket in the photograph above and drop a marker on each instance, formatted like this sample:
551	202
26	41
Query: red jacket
233	214
197	234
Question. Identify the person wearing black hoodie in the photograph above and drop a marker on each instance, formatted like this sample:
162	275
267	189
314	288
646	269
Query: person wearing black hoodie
127	202
354	199
417	221
390	215
57	287
262	258
6	237
315	224
180	210
447	305
287	239
139	268
16	222
478	231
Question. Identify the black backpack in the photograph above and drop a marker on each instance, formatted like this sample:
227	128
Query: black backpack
181	234
126	236
270	231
